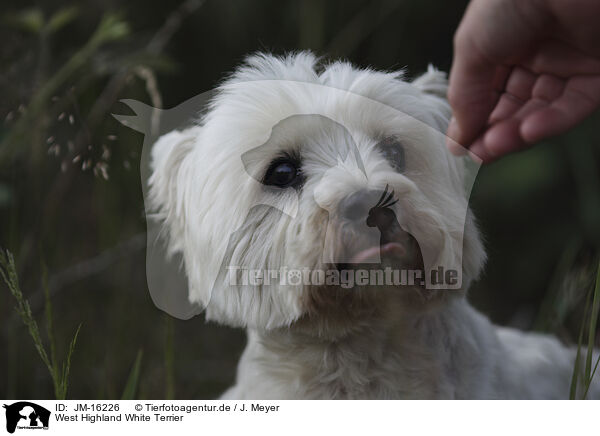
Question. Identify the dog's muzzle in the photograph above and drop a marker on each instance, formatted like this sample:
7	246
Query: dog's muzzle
370	208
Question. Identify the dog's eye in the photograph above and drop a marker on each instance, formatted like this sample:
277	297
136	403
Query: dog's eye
393	151
283	173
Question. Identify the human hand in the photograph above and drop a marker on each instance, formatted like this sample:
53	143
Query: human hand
523	70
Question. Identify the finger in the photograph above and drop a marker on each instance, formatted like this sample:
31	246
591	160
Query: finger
580	97
478	151
504	135
562	60
518	90
548	88
472	95
539	92
531	106
520	83
503	138
455	148
507	106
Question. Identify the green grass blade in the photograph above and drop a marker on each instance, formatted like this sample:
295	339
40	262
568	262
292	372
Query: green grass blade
577	366
8	271
67	364
56	377
589	373
133	379
48	310
587	388
592	328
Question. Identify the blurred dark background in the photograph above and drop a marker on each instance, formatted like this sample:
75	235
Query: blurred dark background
71	200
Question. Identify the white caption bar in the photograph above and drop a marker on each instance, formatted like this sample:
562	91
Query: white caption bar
76	417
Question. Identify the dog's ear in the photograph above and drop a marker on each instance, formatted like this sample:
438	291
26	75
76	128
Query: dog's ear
432	82
167	187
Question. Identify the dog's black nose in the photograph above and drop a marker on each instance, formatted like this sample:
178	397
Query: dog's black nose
356	206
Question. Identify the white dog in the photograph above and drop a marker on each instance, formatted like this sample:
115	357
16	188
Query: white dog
331	169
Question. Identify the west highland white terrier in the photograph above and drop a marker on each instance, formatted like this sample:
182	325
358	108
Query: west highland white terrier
317	206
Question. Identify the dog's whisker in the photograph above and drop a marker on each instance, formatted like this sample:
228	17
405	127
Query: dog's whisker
382	196
387	199
392	203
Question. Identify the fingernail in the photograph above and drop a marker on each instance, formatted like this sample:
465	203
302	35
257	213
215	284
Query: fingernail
452	128
478	152
453	131
455	148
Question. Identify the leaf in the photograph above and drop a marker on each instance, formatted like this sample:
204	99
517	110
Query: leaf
61	18
132	381
30	20
111	28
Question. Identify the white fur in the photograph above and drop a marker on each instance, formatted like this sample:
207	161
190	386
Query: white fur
304	342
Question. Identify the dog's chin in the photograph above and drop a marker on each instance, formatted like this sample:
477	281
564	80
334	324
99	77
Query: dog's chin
334	311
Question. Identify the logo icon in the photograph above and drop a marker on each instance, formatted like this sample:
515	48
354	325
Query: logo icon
26	415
